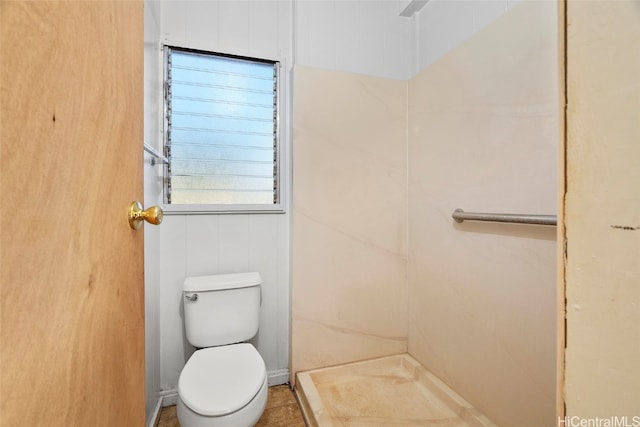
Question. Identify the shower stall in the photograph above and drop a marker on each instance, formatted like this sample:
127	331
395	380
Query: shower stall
380	267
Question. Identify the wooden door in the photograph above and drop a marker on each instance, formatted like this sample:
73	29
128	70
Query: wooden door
72	296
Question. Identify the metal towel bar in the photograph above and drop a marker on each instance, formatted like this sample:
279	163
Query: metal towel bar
156	157
459	215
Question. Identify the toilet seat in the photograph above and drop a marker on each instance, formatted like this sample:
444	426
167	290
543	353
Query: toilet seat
217	381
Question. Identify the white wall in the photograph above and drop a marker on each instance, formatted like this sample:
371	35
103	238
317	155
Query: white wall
209	244
151	194
251	28
364	37
442	25
370	37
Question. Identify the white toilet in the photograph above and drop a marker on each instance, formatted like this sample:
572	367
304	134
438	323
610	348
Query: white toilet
224	383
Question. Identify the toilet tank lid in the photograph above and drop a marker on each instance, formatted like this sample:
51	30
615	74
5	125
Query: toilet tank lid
219	282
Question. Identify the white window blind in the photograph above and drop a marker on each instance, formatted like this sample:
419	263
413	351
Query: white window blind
221	130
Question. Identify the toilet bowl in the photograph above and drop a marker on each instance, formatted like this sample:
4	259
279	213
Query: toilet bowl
224	382
222	387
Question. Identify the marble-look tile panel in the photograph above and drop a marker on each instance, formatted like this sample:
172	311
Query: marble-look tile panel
349	248
483	136
348	283
350	154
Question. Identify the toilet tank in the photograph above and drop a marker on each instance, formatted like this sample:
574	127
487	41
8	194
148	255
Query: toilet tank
221	309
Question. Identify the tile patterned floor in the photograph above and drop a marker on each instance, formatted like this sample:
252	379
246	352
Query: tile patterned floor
281	411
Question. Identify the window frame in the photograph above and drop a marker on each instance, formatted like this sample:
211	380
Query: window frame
280	153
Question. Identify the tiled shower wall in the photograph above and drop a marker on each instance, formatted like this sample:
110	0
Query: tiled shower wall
349	248
484	133
475	303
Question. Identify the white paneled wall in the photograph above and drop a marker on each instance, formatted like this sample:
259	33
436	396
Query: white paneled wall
211	244
442	25
364	37
151	194
251	28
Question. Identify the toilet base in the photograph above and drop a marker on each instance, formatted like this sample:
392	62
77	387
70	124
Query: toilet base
247	416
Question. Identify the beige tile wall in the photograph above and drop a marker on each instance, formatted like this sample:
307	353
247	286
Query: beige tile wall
484	137
479	306
349	248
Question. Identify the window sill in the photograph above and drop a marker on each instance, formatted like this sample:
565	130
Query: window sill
222	209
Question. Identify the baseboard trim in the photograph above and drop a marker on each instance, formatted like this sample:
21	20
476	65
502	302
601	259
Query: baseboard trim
278	377
169	397
155	413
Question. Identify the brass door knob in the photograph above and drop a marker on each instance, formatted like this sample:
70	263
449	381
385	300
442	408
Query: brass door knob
152	215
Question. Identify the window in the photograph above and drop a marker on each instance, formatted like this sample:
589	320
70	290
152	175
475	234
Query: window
221	132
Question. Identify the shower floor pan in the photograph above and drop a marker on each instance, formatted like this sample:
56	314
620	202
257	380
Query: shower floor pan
390	391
